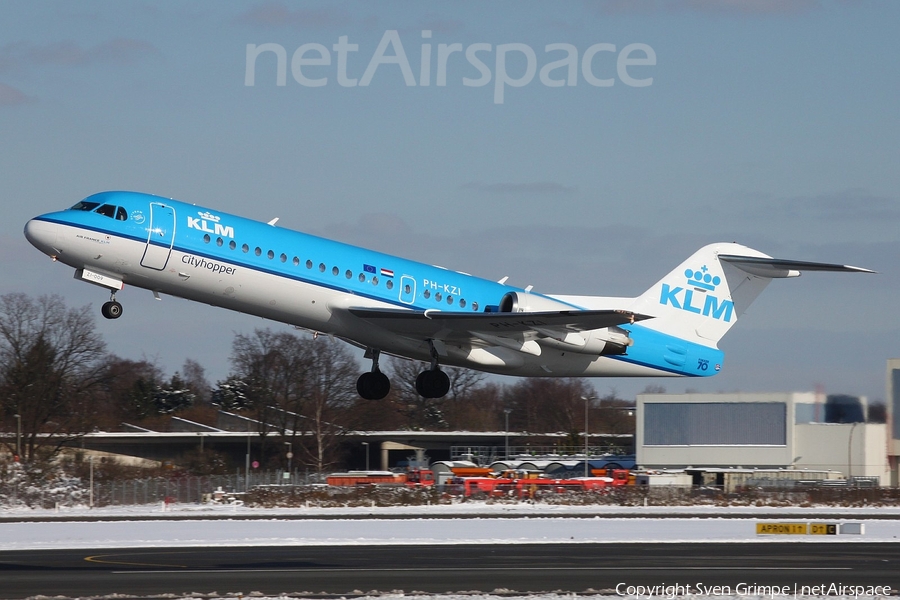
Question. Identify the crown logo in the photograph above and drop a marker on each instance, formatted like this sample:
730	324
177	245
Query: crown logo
208	217
702	279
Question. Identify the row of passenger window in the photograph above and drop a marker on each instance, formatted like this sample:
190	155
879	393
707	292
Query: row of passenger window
389	284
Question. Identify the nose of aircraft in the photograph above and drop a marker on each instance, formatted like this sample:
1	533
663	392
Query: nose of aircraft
42	235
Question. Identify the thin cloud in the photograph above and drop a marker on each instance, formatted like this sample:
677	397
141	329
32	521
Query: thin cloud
444	25
715	7
123	51
276	14
537	187
438	26
852	204
10	96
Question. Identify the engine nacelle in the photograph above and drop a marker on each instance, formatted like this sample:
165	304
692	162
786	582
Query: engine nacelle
605	341
516	302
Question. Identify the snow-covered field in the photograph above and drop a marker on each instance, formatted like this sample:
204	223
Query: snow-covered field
470	522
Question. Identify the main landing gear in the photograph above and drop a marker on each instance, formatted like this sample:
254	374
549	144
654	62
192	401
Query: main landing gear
111	309
373	385
431	383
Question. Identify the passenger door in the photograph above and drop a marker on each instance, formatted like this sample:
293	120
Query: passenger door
407	289
160	236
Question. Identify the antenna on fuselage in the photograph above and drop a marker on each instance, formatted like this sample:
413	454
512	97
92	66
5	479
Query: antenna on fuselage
273	221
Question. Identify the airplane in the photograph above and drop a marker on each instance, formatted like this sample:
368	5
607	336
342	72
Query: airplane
387	304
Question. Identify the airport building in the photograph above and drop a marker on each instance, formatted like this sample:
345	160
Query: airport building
794	431
893	417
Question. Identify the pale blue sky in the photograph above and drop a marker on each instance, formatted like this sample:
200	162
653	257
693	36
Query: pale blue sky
767	123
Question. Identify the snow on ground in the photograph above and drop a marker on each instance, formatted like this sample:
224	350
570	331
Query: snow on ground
476	522
483	524
467	508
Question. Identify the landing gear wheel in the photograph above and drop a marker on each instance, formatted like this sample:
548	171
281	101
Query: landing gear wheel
111	309
373	385
433	383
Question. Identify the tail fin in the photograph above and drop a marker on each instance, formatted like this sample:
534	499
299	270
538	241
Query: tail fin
702	298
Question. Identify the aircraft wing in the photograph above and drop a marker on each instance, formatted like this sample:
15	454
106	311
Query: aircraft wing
444	325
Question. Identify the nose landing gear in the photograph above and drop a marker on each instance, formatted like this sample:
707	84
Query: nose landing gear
111	309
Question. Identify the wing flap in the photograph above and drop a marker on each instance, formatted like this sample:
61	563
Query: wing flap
435	324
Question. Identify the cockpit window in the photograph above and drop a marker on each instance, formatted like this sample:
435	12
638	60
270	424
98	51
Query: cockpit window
121	214
83	205
107	210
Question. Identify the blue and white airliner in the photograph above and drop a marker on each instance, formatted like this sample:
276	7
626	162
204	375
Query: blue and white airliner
387	304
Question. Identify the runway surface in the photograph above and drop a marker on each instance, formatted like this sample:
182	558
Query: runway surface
442	568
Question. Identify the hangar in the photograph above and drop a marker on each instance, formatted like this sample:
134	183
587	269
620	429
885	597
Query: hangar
761	431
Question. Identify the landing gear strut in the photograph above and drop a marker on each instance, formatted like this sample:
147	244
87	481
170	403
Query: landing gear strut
111	309
373	385
433	383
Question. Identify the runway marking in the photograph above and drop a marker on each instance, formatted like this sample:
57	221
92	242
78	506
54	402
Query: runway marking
100	559
433	569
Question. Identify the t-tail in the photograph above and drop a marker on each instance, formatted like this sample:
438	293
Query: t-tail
702	298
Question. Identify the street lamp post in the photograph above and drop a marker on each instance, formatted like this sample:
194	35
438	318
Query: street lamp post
290	455
18	436
587	403
506	412
366	444
247	467
850	452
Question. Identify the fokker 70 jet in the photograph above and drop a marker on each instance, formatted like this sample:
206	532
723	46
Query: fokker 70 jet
387	304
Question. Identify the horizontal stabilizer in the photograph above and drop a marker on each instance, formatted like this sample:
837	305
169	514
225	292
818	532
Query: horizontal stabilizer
435	324
779	267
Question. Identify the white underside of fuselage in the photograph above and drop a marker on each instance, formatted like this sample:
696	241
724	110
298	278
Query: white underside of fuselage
310	306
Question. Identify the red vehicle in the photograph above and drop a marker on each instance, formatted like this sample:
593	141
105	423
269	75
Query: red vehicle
487	486
413	477
366	478
529	488
618	476
416	477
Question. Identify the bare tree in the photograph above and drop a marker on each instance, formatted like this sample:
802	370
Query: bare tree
428	413
547	404
128	391
418	413
194	376
50	361
271	366
297	388
615	414
479	409
329	388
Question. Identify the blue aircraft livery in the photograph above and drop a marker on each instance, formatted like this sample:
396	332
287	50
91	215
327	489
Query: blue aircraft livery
388	304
